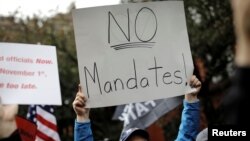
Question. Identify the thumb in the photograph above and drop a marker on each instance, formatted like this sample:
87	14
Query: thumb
80	88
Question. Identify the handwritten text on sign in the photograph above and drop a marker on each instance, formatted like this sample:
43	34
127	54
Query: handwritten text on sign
29	74
132	52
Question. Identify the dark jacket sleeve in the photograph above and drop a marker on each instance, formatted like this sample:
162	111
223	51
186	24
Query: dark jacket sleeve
190	120
236	102
83	132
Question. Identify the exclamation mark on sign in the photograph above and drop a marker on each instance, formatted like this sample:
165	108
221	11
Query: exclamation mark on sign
184	67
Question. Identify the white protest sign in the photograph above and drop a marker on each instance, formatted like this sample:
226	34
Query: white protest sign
29	74
132	52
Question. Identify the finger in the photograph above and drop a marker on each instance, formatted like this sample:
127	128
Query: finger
195	82
79	94
79	109
85	98
80	99
80	91
77	104
192	80
82	96
198	84
80	88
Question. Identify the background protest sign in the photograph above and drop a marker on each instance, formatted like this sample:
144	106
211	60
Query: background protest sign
132	52
143	114
29	74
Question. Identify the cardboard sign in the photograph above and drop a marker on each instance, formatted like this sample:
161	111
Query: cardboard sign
29	74
132	52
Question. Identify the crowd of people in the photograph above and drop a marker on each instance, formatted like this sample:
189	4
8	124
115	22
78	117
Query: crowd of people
234	104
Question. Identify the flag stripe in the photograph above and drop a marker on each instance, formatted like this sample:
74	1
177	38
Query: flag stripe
38	139
46	115
49	132
44	137
45	122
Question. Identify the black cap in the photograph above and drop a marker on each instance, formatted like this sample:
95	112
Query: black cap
134	131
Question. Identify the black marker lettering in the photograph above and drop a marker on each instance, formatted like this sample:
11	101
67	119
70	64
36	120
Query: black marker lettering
140	38
165	76
108	83
155	68
183	58
126	36
116	83
178	76
146	84
95	70
133	78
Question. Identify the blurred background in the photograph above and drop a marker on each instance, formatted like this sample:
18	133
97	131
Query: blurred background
49	22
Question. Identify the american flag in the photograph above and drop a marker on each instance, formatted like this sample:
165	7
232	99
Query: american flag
42	116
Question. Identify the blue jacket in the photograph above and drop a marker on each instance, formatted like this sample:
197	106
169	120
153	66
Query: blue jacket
190	121
82	131
187	132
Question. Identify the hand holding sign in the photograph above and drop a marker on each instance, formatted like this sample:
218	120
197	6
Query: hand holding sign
195	84
79	106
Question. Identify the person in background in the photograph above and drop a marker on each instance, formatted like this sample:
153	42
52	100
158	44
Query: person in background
236	101
8	128
187	132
